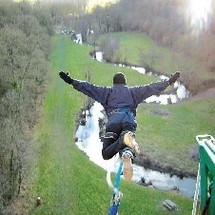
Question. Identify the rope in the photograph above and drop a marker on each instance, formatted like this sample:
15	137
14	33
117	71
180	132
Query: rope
115	201
117	180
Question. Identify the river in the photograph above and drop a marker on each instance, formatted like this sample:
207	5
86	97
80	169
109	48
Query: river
180	90
88	141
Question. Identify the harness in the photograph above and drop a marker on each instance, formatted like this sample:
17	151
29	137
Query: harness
120	110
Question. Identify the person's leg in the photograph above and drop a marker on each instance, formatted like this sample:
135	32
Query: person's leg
127	159
118	137
109	145
130	149
128	137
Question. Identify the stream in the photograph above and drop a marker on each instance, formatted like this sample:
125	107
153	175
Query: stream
180	90
88	141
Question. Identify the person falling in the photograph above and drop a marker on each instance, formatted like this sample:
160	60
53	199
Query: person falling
120	103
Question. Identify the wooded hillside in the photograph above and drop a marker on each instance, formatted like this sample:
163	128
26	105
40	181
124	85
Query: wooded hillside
24	37
166	21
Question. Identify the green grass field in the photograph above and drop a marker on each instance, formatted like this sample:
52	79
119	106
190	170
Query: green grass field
169	137
174	131
133	45
66	180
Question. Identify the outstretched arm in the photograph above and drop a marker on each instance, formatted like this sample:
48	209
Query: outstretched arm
143	92
66	77
97	93
174	77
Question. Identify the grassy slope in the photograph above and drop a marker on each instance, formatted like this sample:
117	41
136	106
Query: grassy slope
67	181
169	138
133	45
174	133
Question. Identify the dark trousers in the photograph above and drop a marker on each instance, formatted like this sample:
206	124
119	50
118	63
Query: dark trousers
112	144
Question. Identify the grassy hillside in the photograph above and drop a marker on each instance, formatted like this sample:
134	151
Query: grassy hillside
135	45
137	48
66	180
167	133
172	128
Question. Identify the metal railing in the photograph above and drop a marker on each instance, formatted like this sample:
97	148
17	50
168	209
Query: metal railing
206	177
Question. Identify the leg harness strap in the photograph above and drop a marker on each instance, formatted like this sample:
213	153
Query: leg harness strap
111	135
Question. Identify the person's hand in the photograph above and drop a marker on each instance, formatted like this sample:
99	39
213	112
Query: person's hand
65	77
174	77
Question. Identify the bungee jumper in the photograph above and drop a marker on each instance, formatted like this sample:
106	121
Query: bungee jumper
120	103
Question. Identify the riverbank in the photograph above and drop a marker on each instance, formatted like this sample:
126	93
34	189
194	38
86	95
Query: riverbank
167	134
88	139
148	162
138	49
143	159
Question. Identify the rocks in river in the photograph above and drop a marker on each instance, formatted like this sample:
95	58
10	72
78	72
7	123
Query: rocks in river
143	182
